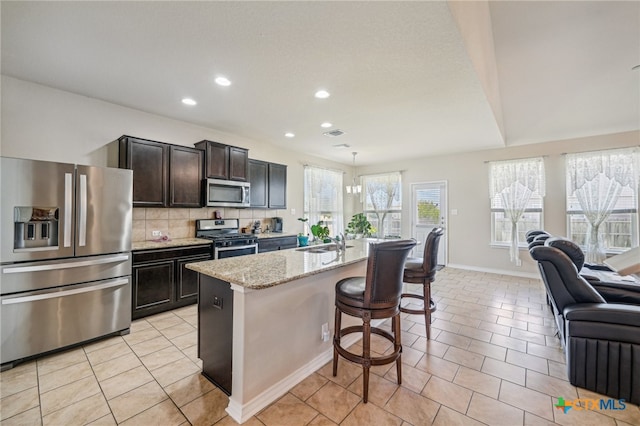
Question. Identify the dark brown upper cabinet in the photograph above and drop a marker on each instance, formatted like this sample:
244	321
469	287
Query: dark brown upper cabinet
258	177
225	161
277	186
164	175
268	184
185	176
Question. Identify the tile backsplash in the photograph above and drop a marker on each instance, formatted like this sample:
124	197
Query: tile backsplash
181	223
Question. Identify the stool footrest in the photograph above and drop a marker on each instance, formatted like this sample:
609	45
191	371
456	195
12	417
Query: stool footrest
381	360
432	305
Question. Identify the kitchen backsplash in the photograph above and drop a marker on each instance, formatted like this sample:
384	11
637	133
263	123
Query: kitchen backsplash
181	223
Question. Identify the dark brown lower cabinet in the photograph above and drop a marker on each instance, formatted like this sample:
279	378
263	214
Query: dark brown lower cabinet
161	281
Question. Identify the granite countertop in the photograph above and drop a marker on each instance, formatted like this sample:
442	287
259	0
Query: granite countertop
180	242
269	269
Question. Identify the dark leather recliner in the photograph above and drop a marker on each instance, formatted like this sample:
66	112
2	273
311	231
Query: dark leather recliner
601	340
613	287
533	234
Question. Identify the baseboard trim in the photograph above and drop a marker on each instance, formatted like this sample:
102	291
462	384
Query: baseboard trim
243	412
494	271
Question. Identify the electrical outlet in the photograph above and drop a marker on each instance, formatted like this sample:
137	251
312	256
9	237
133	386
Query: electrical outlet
293	212
325	332
156	233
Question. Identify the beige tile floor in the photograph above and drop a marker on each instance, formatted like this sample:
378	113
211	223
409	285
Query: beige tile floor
493	359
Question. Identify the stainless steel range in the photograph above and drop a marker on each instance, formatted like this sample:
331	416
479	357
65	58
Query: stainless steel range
226	237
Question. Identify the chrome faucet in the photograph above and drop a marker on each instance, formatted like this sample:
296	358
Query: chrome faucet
340	242
341	247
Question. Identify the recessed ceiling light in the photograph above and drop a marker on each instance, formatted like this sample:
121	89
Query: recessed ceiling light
326	124
223	81
289	135
322	94
189	101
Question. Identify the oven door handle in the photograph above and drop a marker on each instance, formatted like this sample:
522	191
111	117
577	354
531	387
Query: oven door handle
217	250
237	247
52	295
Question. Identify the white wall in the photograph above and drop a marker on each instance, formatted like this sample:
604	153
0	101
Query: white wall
48	124
42	123
467	175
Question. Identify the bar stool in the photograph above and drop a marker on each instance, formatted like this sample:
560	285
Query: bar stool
376	296
423	271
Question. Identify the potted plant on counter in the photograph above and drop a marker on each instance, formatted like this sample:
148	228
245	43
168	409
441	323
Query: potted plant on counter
320	232
303	237
359	226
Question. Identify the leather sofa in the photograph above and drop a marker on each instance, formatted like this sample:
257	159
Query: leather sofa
601	340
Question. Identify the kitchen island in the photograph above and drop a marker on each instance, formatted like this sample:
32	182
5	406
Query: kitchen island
265	313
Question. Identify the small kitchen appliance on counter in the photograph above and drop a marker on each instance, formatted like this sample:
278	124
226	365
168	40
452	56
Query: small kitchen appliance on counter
276	224
65	259
226	237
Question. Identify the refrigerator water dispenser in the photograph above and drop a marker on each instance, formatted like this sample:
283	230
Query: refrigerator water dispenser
35	228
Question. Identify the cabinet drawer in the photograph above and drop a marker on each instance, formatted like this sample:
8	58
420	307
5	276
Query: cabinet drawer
170	253
277	243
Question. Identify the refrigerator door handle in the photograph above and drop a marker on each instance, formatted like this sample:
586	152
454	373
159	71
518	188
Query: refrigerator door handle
68	199
24	299
82	220
66	265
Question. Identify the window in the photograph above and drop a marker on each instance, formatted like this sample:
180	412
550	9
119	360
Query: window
382	203
602	201
516	191
323	198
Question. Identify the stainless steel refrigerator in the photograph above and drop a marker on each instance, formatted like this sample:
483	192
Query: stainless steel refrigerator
65	255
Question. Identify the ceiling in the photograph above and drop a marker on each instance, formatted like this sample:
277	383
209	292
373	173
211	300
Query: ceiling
402	75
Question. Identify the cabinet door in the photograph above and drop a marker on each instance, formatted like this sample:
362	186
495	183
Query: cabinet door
185	184
187	282
215	331
238	163
153	287
277	186
149	161
217	161
258	176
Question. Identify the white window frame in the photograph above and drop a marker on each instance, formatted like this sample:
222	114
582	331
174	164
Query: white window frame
330	207
574	212
382	213
535	206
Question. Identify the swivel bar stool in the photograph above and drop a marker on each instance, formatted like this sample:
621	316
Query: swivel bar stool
423	271
376	296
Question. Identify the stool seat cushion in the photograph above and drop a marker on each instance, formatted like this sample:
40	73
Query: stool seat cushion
414	263
351	290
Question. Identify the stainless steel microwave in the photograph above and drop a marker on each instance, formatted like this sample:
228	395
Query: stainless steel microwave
226	193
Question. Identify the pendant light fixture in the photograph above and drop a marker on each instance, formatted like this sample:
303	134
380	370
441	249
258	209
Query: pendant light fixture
354	188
